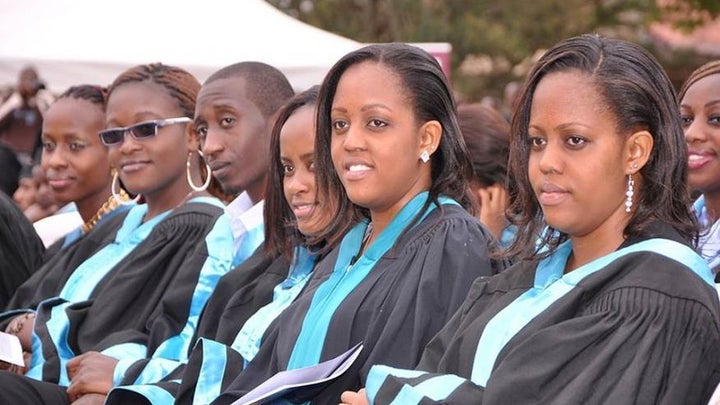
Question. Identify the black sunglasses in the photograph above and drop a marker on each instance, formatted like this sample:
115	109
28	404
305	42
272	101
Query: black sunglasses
141	130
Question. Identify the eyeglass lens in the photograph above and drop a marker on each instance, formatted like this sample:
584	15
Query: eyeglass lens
139	131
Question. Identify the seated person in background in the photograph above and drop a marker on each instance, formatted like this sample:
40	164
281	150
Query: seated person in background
9	171
612	305
44	203
699	109
389	145
486	134
21	250
144	289
24	195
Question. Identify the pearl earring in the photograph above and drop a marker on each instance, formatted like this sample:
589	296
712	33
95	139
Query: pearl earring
629	193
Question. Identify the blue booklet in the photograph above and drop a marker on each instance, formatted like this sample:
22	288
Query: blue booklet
284	383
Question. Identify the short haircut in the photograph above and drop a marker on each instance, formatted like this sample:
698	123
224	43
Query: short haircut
266	86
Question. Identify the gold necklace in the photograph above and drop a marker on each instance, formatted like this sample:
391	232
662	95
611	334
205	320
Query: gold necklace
107	206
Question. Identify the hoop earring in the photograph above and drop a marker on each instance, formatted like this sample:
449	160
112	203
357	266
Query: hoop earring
118	196
629	193
189	176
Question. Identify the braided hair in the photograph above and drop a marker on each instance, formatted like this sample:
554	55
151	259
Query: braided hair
708	69
88	92
181	86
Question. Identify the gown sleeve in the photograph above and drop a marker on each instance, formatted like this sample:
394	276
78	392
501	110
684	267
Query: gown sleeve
626	345
21	250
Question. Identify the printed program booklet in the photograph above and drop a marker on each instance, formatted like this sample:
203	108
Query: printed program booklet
285	382
11	350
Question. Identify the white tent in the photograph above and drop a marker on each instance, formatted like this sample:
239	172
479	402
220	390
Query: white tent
92	41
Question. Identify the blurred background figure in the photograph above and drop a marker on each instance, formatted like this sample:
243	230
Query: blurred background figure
511	94
9	170
43	202
486	135
21	116
24	195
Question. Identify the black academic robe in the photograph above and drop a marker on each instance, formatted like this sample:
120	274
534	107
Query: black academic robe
21	249
238	295
148	299
644	329
396	309
48	280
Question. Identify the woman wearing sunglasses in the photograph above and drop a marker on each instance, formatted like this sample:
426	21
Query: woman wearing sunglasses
143	291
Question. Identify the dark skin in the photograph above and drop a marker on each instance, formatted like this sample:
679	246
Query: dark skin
92	372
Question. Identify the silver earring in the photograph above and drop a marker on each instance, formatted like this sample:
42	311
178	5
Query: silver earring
629	193
117	195
189	176
425	156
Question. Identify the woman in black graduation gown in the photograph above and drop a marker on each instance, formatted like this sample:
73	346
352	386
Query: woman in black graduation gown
142	292
612	304
388	140
77	167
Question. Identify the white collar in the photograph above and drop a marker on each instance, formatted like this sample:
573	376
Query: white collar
244	216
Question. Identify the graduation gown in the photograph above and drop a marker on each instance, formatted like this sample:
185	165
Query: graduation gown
59	261
638	326
393	298
241	295
21	249
140	294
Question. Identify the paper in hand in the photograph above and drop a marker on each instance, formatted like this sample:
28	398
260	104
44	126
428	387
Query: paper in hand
11	350
285	382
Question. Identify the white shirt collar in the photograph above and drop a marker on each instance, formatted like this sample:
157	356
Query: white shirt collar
244	216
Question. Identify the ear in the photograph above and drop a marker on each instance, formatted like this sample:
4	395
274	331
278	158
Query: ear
430	135
638	147
193	142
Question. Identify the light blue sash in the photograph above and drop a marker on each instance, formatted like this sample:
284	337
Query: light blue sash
346	276
247	341
551	285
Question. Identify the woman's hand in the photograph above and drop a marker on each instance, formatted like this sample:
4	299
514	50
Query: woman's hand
354	398
90	373
22	326
90	399
493	204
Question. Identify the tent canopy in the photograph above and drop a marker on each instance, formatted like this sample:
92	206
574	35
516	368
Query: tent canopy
89	41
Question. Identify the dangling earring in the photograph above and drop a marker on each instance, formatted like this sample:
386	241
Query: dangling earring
425	156
118	196
189	175
629	193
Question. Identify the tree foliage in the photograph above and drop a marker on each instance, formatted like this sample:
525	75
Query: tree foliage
493	40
